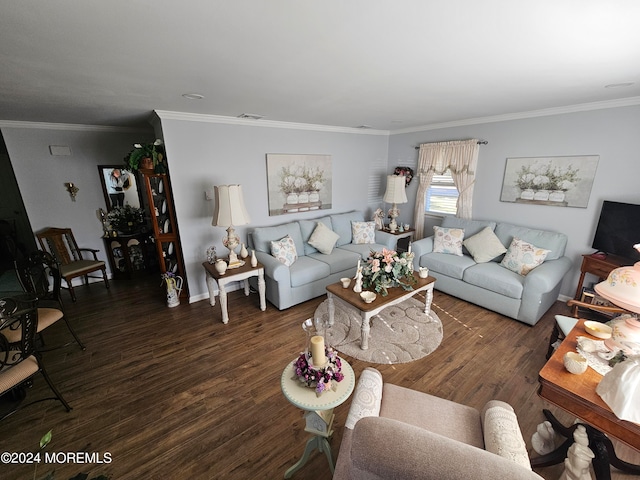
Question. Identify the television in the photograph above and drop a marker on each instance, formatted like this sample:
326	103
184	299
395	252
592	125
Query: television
618	230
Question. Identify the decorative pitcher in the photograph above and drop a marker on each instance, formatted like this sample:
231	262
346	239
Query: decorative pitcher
174	287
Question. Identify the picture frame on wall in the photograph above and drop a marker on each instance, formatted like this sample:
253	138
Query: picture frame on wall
298	183
551	181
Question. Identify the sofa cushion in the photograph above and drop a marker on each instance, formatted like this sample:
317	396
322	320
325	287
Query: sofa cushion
363	232
484	245
522	257
339	260
555	242
364	249
448	240
284	250
449	265
262	237
454	420
323	238
342	225
491	276
307	270
307	227
470	227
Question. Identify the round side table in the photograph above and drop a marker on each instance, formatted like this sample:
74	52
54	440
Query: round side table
318	410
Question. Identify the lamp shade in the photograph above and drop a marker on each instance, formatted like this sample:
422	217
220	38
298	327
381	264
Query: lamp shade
622	287
230	209
395	189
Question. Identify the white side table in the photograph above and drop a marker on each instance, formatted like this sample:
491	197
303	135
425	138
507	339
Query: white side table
319	408
244	272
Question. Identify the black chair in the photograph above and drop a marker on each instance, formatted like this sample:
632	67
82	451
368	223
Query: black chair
34	273
18	364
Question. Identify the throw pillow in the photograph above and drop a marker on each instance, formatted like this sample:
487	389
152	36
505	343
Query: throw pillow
323	238
448	240
363	232
522	257
284	250
484	246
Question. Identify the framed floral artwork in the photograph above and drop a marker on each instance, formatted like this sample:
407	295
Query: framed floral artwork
298	183
552	181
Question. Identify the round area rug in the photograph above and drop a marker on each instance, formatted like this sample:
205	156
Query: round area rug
399	334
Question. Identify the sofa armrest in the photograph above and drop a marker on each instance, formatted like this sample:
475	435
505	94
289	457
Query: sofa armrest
420	248
386	239
387	448
274	268
547	276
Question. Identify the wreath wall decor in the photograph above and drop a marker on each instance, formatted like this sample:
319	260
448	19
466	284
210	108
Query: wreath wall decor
407	172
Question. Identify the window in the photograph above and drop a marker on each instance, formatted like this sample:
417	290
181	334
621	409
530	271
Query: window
442	195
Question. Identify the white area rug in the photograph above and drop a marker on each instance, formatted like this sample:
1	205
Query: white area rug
399	334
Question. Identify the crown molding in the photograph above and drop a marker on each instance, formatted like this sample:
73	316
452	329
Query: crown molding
196	117
76	127
582	107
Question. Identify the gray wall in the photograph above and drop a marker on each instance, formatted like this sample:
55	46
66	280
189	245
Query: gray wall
201	154
609	133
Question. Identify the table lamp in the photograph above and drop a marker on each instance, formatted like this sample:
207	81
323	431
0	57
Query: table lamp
230	211
395	194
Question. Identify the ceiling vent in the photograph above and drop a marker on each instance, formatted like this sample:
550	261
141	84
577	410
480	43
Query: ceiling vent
250	116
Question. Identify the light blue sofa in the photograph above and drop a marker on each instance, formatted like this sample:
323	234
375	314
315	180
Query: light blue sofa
490	285
308	276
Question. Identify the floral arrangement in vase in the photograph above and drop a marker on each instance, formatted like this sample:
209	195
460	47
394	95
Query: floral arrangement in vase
126	219
320	379
387	269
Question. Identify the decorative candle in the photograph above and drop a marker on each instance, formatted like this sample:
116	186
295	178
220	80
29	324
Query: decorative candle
409	248
317	351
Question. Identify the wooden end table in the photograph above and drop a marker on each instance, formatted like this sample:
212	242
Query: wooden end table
306	399
396	295
244	272
577	395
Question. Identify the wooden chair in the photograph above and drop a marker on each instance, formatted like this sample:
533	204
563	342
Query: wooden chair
33	273
61	244
19	363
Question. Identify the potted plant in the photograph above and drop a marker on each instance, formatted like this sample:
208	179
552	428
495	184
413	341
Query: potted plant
146	156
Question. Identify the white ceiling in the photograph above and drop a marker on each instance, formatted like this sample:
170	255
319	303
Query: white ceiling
389	64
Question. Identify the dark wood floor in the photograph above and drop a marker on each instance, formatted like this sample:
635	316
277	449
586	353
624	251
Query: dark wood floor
174	393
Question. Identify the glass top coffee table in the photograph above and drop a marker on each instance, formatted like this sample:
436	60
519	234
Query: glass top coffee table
352	300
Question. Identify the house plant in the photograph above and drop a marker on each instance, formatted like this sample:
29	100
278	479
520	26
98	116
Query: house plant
146	156
388	269
126	219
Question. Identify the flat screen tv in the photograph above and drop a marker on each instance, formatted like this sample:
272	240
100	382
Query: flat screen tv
618	230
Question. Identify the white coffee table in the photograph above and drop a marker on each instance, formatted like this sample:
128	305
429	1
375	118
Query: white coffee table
352	300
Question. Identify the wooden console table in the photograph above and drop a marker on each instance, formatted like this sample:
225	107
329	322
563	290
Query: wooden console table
577	395
600	267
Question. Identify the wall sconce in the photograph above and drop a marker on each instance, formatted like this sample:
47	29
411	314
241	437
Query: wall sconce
72	189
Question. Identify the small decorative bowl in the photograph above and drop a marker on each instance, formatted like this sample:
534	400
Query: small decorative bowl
368	297
575	363
597	329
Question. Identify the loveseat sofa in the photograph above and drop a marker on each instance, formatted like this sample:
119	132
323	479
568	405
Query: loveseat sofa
312	270
394	432
483	265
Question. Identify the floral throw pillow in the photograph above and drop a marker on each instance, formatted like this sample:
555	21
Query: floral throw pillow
363	232
522	257
448	240
284	250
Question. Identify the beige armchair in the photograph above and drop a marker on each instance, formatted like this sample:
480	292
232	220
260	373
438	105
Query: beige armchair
395	432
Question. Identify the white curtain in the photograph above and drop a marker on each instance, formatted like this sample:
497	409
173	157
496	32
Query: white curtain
461	158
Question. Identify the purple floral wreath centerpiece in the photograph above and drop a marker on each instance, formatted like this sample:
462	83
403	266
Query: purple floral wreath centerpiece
321	379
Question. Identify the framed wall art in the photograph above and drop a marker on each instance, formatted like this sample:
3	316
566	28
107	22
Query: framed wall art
553	181
298	183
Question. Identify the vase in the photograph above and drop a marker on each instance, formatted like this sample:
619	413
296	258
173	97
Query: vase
254	260
292	198
556	196
303	197
314	197
174	287
221	266
527	194
244	253
541	195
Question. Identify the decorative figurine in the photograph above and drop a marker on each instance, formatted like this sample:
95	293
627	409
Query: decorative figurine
579	457
544	440
358	278
378	217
